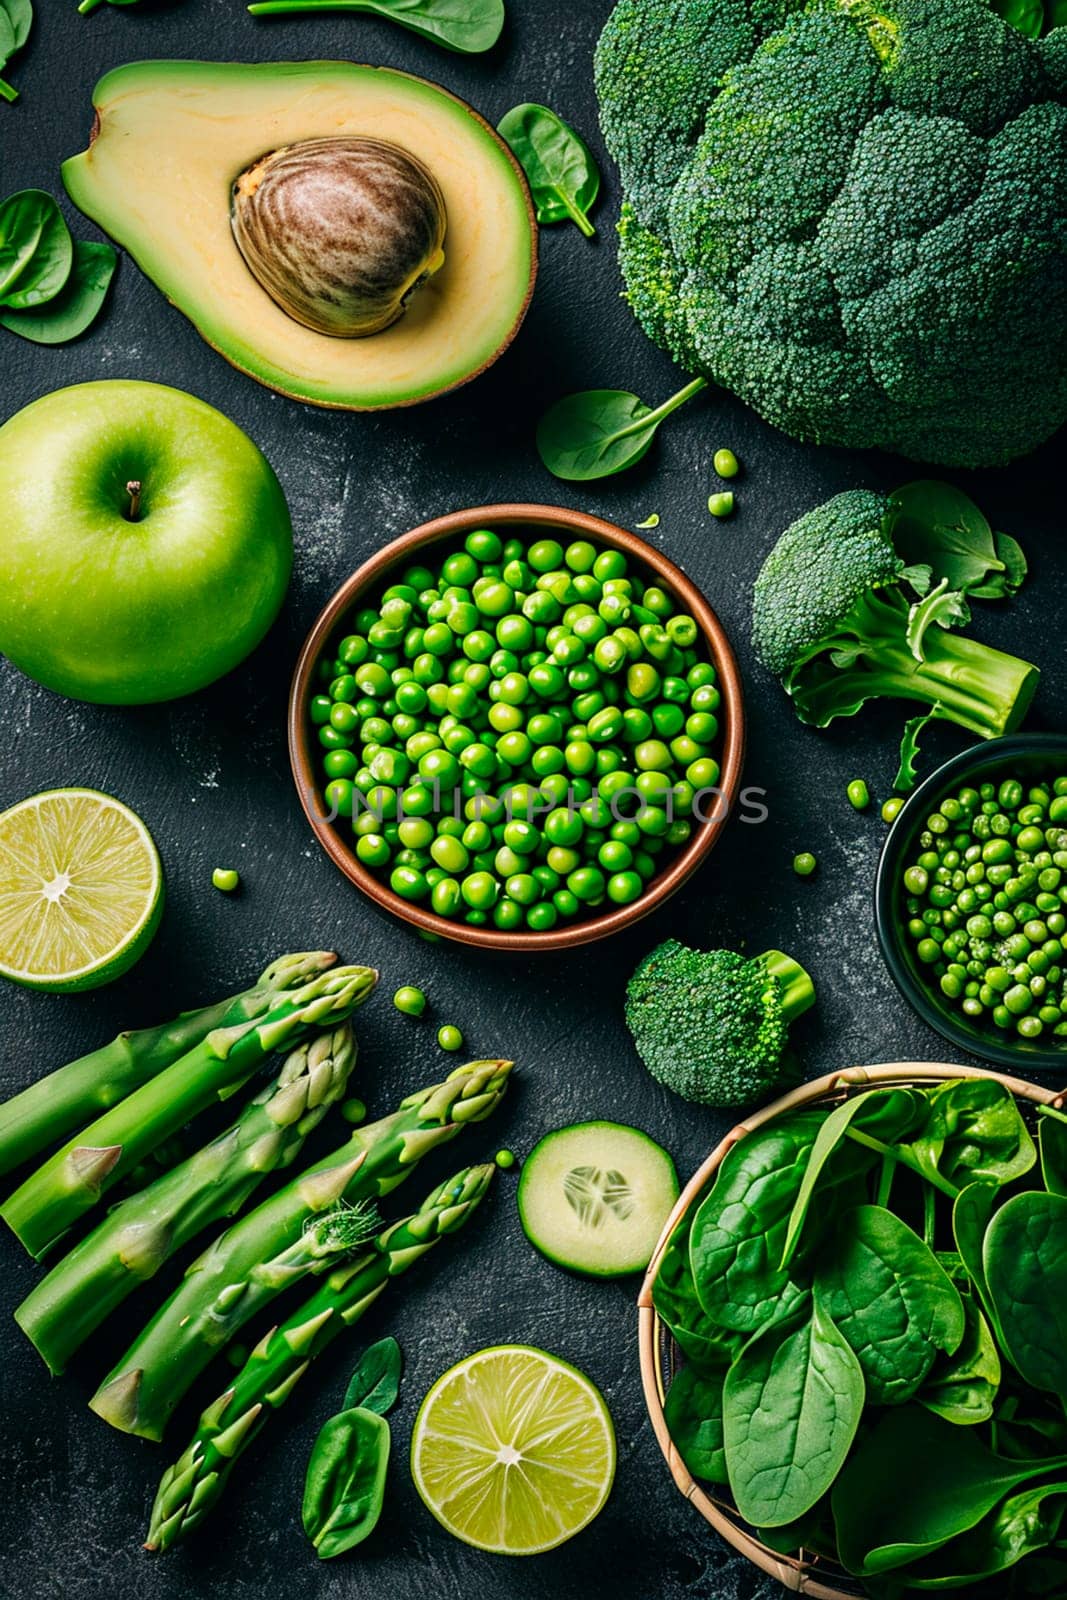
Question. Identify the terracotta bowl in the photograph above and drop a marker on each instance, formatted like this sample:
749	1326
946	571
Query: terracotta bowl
452	529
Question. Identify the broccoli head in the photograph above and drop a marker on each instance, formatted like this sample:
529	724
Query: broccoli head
853	214
857	599
713	1025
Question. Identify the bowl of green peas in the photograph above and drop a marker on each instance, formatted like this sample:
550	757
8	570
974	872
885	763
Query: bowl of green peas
518	727
971	900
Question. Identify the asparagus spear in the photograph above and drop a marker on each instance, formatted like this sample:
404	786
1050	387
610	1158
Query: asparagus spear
138	1236
73	1180
262	1253
65	1100
193	1485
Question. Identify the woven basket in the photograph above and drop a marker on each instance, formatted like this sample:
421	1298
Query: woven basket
802	1574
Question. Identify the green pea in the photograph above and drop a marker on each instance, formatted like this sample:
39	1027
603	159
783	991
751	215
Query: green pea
449	1037
726	464
804	864
721	503
410	1001
892	808
226	879
409	883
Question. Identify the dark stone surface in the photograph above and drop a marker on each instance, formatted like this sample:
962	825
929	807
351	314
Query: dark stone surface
210	777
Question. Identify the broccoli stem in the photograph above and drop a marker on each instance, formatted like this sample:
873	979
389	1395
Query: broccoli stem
966	682
798	991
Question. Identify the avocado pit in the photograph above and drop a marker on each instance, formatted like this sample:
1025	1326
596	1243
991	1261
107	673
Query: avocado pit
340	232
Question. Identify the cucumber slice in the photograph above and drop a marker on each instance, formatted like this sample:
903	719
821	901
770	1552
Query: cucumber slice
594	1198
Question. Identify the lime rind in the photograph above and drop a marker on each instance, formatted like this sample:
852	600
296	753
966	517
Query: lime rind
81	890
513	1451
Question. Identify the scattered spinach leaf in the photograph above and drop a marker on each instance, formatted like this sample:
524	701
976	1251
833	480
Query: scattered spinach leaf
1052	1138
16	20
913	1483
467	26
36	252
792	1403
1024	1257
962	1387
693	1411
345	1485
375	1383
563	177
936	525
77	304
599	432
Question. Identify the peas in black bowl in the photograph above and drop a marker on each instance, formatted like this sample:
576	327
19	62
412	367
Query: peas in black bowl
971	900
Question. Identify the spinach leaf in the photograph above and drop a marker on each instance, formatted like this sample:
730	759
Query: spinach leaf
375	1383
739	1230
602	431
36	252
971	1216
703	1342
915	1482
562	174
1052	1138
345	1485
468	26
892	1302
77	304
16	20
1028	1520
888	1114
792	1403
936	525
693	1413
962	1387
1024	1257
974	1130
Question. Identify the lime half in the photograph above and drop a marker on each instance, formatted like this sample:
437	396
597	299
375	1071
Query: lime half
81	889
513	1450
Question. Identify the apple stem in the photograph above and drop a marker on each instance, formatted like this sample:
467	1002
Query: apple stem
133	489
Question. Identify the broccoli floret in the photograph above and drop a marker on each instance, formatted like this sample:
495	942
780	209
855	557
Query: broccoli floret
840	618
853	214
713	1025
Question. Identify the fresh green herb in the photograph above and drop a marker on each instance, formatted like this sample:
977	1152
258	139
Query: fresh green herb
225	879
562	175
602	431
907	775
344	1490
410	1001
726	464
721	504
713	1025
375	1383
16	20
859	796
804	864
467	26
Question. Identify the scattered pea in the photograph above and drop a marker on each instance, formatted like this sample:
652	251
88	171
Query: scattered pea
354	1111
859	796
721	504
804	864
726	464
409	1000
892	808
449	1037
226	879
505	1159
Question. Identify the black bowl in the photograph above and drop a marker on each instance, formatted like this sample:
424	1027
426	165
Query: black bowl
1021	755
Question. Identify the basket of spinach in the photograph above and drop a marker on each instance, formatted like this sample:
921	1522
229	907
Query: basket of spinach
854	1336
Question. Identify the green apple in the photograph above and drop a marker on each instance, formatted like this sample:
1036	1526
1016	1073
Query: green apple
146	544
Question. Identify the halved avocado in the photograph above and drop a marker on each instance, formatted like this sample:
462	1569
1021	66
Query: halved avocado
172	137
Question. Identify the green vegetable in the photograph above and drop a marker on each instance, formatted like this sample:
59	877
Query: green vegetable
878	1274
504	1159
191	1488
1032	17
599	432
837	616
892	807
859	796
226	879
467	26
72	1181
726	464
51	288
1052	1139
64	1100
16	20
829	198
90	5
563	177
140	1234
449	1037
410	1001
974	1131
712	1025
984	904
792	1403
804	864
721	505
694	1413
907	775
75	307
1024	1257
962	1387
269	1247
344	1490
937	523
375	1383
704	1342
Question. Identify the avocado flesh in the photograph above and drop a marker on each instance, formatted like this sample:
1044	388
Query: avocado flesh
172	137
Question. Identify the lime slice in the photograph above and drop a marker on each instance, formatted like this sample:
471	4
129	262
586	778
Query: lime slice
513	1450
81	889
